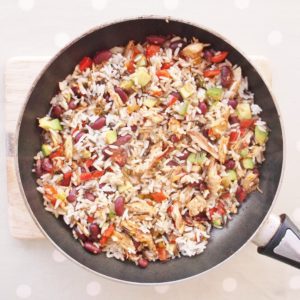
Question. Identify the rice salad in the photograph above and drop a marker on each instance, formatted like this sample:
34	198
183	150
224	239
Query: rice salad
148	147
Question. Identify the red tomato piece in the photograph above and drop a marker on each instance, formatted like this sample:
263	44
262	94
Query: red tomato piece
219	57
211	73
85	63
151	50
158	197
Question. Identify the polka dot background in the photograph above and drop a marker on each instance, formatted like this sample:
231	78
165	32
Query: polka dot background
34	269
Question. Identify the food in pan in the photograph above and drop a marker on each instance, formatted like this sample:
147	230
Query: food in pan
148	147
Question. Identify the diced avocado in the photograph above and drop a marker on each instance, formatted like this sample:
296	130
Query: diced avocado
248	163
142	76
197	158
46	149
48	123
260	135
182	108
150	102
214	93
141	60
231	174
187	90
244	152
243	111
111	136
126	85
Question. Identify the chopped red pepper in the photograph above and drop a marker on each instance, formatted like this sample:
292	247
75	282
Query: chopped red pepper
85	63
91	175
66	179
166	66
89	162
151	50
163	73
243	131
156	93
162	253
247	123
158	197
211	73
107	234
240	194
59	152
172	100
219	57
130	67
233	136
90	219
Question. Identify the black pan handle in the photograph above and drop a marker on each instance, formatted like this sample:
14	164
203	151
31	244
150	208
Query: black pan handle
279	238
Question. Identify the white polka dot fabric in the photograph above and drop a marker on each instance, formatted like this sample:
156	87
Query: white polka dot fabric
34	269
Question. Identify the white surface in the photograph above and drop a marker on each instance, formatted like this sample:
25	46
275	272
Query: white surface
27	268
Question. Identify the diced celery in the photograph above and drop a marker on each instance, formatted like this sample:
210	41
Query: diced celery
260	136
182	108
214	93
126	85
46	149
111	136
217	222
125	187
150	102
231	174
243	111
197	158
187	90
142	76
244	152
248	163
48	123
111	214
141	60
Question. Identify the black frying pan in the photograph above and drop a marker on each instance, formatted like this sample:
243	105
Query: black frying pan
224	242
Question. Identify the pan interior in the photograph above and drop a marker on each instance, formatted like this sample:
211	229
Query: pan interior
224	242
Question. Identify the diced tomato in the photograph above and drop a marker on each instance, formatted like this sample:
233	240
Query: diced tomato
151	50
136	51
162	253
240	194
158	197
89	162
59	152
66	179
243	131
91	175
130	67
221	209
166	66
246	123
211	211
211	73
156	93
90	219
233	136
172	100
163	73
85	63
107	234
219	57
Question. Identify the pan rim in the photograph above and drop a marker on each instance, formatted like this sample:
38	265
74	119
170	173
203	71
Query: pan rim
90	31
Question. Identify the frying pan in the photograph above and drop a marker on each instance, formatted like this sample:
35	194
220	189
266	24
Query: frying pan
223	243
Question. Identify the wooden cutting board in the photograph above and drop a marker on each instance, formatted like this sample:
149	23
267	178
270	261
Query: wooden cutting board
20	73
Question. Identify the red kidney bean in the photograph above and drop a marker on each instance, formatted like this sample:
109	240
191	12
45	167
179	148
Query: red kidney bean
202	186
177	95
106	96
122	94
94	231
134	128
90	247
205	132
156	39
56	111
99	123
78	136
187	218
72	105
208	55
106	155
38	168
256	171
47	165
80	235
233	103
119	156
230	164
172	163
185	154
120	206
76	91
233	119
201	217
123	140
143	263
102	56
240	194
226	76
174	138
203	107
89	196
72	196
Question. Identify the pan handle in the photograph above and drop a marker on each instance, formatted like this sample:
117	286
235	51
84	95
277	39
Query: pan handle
279	238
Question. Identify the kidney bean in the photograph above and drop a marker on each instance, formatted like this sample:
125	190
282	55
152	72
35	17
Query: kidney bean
174	138
80	235
256	171
202	186
102	56
203	107
78	136
72	196
233	103
156	39
119	156
38	168
208	55
177	95
205	132
173	163
106	155
56	111
89	196
120	205
226	76
122	94
76	91
99	123
106	96
187	218
90	247
72	105
123	140
201	217
233	119
184	155
47	165
143	263
230	164
134	128
94	231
